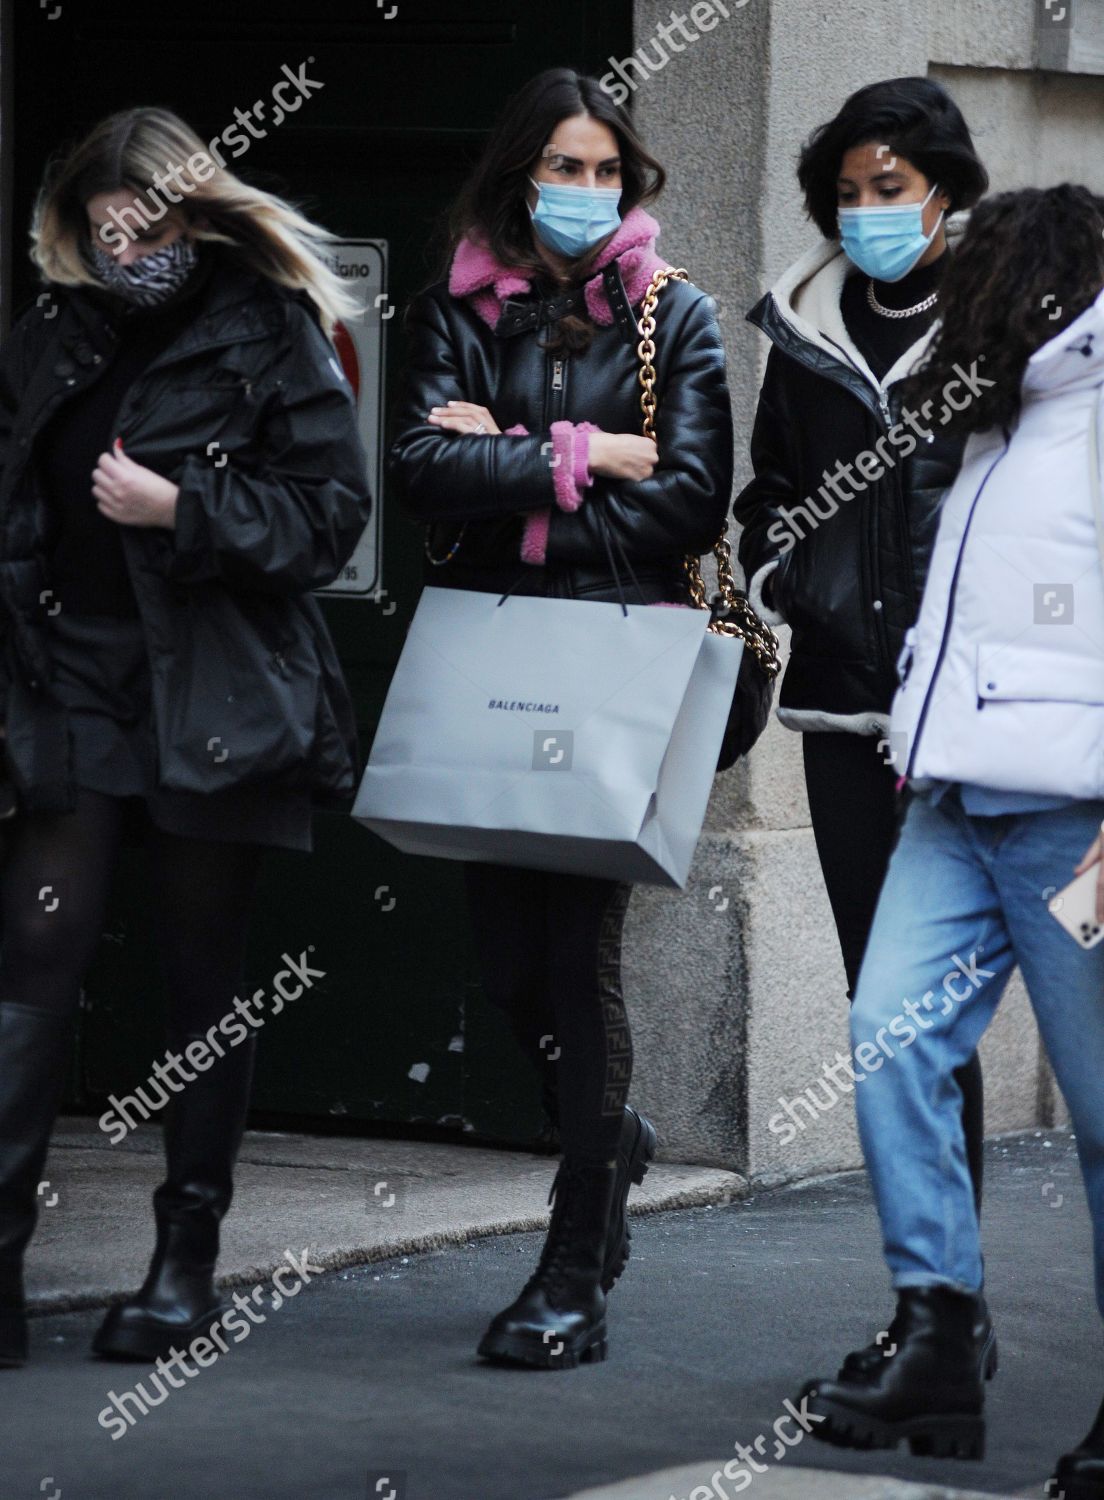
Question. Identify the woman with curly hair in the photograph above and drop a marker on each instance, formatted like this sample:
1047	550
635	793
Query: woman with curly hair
180	468
998	727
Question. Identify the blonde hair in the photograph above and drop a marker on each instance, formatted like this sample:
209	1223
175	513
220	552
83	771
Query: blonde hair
135	147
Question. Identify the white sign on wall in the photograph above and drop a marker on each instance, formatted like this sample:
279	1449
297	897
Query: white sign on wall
362	264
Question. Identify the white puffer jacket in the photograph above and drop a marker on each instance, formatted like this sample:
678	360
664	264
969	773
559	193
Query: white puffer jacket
1003	673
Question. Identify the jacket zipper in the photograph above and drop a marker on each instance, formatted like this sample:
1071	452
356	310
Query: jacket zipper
557	385
883	399
877	604
942	652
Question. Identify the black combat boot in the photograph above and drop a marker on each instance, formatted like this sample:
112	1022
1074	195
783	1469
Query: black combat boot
34	1052
926	1388
1080	1474
985	1338
635	1150
177	1302
559	1319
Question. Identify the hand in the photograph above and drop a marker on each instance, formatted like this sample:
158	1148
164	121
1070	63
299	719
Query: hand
463	416
132	494
1095	856
622	455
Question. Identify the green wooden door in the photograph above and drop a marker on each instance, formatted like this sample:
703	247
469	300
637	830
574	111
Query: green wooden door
396	1031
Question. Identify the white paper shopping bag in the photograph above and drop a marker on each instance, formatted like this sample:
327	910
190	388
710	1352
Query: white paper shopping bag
556	734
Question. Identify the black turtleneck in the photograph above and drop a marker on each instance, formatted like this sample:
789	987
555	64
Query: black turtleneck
84	548
883	340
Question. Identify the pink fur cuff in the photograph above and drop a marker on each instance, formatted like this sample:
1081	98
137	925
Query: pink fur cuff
534	538
570	462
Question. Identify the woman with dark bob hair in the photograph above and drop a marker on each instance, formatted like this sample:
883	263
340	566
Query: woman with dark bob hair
519	445
180	468
839	518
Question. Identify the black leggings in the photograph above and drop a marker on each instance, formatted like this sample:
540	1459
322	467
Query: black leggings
53	894
549	951
854	808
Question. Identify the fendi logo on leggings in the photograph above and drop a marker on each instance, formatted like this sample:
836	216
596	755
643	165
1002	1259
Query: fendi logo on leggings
618	1040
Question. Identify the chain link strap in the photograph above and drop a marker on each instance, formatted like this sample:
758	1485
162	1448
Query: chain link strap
747	625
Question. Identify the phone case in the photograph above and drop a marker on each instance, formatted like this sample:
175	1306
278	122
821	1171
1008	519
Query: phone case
1075	909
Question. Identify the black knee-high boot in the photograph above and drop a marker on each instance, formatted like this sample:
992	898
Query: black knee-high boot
559	1319
34	1052
203	1131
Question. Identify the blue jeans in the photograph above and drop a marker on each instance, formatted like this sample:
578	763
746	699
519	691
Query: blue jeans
964	901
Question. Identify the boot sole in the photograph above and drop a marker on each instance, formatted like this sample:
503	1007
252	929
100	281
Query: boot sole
643	1152
934	1436
588	1348
153	1340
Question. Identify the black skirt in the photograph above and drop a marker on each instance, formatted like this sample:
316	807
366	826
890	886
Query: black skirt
102	676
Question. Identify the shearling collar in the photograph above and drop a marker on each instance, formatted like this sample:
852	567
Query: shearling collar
808	298
475	272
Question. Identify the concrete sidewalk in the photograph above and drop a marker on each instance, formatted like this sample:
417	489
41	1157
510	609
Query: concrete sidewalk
779	1484
351	1201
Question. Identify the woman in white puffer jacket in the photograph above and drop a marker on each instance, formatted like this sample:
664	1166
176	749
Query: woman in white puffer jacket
998	729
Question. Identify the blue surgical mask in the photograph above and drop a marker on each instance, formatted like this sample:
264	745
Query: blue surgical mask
886	242
571	219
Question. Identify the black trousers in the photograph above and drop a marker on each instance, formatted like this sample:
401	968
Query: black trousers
549	950
854	807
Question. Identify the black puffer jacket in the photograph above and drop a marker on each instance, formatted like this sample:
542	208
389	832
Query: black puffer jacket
248	413
493	481
851	586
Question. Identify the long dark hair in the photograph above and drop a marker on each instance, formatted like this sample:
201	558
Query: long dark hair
1029	263
492	206
917	119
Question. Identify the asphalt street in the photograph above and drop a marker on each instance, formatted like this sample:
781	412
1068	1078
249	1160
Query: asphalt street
365	1385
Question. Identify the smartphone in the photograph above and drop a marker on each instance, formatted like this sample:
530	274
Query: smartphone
1075	908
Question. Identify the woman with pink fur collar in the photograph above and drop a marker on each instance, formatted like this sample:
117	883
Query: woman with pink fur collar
519	448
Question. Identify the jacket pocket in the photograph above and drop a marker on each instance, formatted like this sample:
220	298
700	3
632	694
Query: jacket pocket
1025	674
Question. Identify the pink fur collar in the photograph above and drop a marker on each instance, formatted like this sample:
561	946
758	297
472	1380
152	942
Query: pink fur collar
475	273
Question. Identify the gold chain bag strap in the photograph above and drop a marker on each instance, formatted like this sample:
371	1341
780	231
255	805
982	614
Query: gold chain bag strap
760	664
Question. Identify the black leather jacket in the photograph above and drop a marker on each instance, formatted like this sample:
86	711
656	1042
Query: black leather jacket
851	587
492	481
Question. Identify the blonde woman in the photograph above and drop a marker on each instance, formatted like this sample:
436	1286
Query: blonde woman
180	468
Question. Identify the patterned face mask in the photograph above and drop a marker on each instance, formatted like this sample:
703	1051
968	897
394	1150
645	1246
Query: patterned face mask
152	277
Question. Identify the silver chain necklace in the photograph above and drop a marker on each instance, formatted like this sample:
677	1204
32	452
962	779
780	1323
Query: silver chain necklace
898	312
